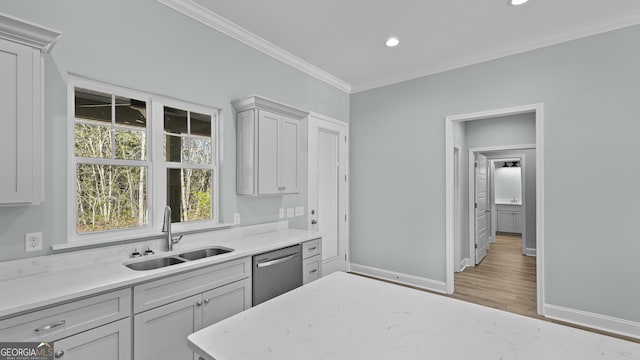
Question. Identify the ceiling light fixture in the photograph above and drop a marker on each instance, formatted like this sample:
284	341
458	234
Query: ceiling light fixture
517	2
391	42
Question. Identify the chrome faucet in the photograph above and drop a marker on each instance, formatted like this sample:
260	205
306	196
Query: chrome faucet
166	227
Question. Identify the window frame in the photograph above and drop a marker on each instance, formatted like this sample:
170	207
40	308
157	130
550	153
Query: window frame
156	166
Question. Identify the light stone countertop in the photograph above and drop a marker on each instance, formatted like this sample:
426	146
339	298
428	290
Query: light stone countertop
62	279
346	317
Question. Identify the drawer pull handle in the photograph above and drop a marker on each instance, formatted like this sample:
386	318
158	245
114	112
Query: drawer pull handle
59	354
312	271
50	326
313	248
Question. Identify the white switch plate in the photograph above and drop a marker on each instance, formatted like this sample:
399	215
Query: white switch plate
236	218
281	213
290	212
299	210
33	241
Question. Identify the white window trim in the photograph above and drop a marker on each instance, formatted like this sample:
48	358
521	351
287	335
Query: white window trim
156	174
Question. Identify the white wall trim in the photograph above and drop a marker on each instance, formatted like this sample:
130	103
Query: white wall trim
538	109
613	23
593	320
219	23
530	252
420	282
465	263
28	33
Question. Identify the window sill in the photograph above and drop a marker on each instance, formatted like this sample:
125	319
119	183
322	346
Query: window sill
177	229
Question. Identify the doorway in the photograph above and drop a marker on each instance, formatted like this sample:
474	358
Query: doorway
450	122
328	189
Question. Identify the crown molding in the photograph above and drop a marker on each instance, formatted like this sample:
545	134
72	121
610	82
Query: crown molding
259	102
27	33
217	22
613	23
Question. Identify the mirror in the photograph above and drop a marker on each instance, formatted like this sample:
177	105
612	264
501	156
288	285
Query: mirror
508	182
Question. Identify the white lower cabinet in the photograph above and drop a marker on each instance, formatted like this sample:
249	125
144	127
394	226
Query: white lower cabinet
312	260
161	332
510	219
107	342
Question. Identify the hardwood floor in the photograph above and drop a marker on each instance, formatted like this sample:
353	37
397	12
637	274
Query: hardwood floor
504	280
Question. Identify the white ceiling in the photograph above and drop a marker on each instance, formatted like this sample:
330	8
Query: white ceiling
345	38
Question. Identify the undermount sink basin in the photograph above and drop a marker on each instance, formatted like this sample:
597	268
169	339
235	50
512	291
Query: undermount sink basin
205	253
154	263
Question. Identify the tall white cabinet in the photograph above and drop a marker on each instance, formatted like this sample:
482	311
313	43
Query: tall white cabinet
267	147
21	116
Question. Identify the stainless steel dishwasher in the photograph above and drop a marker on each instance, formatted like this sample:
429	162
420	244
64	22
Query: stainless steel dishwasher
276	272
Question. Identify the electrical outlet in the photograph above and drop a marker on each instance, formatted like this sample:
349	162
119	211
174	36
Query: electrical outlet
33	241
299	210
236	218
290	212
281	213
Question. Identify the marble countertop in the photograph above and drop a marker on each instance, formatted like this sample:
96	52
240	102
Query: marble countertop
65	280
344	317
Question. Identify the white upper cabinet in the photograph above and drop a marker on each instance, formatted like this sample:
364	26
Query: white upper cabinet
267	147
21	112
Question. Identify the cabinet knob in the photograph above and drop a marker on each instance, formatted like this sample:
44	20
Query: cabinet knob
199	303
59	354
206	301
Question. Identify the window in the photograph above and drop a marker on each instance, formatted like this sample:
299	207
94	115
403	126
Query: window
132	155
189	161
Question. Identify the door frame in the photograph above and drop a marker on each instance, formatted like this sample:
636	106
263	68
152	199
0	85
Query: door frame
312	186
538	110
519	157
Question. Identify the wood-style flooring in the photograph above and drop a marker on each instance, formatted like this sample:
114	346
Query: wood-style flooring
504	280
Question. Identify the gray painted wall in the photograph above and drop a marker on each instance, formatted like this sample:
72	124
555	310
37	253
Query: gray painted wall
147	46
590	89
500	131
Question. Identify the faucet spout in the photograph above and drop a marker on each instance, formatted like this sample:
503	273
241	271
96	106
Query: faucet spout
166	227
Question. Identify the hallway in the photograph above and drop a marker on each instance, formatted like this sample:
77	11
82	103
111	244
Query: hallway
504	280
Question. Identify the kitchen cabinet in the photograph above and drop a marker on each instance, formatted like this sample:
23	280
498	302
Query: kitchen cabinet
267	147
21	117
98	327
510	218
311	260
172	308
108	342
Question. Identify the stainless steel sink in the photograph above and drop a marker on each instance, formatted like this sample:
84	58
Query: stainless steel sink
154	263
204	253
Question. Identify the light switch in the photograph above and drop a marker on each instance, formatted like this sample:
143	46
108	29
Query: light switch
236	218
281	213
299	210
290	212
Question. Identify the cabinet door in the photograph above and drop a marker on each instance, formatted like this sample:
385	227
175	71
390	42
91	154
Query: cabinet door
226	301
289	138
162	333
16	123
107	342
268	132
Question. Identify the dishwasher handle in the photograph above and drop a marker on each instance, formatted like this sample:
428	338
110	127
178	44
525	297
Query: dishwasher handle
276	261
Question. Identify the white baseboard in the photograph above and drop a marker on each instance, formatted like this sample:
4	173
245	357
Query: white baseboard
592	320
423	283
530	252
465	263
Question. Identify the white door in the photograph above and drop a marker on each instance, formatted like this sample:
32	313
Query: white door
328	190
481	208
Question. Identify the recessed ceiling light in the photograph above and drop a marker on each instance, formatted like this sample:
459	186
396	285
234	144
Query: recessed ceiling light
517	2
392	42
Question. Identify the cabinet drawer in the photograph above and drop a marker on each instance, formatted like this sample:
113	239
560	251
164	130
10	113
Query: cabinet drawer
67	319
159	292
311	268
311	248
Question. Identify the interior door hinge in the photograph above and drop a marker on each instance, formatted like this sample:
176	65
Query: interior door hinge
345	138
475	206
475	164
345	178
476	246
345	217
